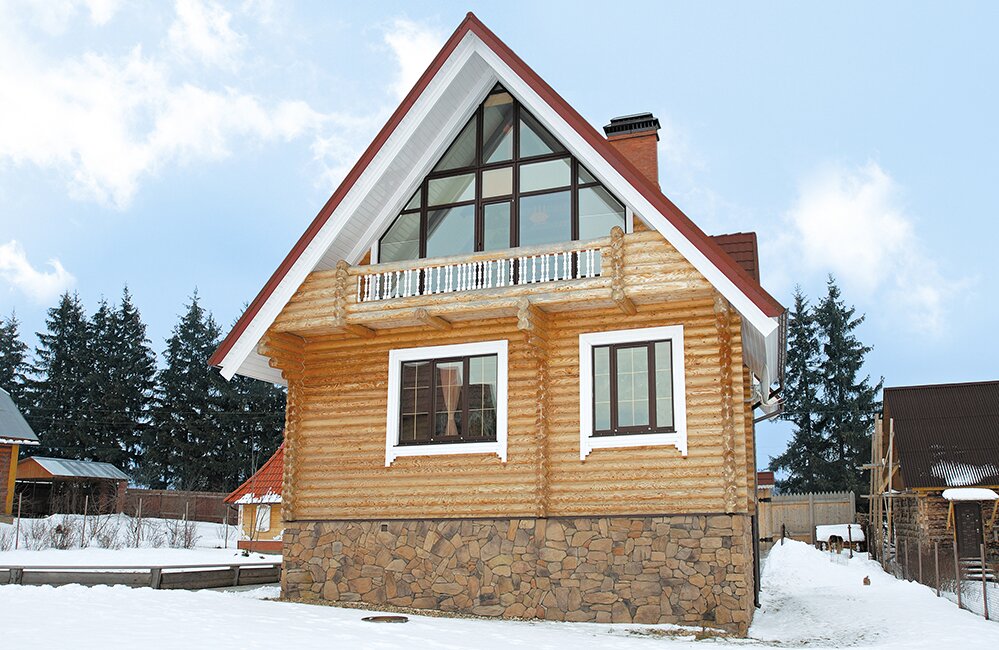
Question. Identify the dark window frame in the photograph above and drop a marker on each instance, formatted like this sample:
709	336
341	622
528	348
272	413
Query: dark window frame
615	430
433	387
477	168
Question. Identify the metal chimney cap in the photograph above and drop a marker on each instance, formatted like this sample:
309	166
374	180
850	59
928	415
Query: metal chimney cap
632	124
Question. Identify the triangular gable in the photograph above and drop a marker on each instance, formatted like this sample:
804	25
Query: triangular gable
264	486
417	135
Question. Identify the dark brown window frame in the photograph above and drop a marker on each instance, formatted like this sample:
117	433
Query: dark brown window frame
465	389
515	162
653	426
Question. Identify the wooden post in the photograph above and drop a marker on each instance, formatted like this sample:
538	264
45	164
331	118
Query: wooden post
985	584
919	558
957	575
138	523
811	517
17	528
155	577
83	533
849	534
235	579
225	522
783	533
936	564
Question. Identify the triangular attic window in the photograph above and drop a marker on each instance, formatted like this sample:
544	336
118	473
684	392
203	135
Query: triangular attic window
504	182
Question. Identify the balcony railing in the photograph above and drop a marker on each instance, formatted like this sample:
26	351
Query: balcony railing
530	267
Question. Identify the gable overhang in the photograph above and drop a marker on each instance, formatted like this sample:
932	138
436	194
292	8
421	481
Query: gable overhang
472	61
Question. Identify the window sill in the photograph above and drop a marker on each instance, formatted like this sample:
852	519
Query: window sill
633	440
446	449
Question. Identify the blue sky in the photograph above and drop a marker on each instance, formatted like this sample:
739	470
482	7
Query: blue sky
179	145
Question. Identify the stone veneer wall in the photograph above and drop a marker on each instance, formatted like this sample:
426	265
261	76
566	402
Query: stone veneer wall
685	569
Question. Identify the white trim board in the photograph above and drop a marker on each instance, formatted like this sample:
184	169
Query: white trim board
394	450
587	441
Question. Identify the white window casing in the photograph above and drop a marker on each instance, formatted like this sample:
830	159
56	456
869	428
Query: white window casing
394	450
678	438
263	518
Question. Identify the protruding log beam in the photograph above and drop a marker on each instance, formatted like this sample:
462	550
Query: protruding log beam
616	255
358	330
623	302
530	316
427	318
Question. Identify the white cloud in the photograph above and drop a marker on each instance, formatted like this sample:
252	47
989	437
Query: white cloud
414	46
852	222
54	16
40	286
202	31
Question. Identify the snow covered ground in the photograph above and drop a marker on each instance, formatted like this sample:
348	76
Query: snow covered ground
810	601
110	541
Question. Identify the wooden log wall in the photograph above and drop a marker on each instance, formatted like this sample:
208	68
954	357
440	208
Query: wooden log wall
338	383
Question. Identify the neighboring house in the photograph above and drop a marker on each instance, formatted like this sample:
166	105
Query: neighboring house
521	381
14	432
259	503
935	460
61	485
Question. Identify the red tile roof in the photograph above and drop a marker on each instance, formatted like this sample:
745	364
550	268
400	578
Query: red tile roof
265	484
741	247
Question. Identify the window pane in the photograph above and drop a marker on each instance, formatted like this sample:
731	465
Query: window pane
535	140
451	231
482	398
497	128
450	381
632	386
402	240
664	384
415	402
461	153
497	182
496	226
545	219
601	389
544	175
451	189
598	213
584	176
414	203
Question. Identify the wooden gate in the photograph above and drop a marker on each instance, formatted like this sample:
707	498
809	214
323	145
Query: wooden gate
799	514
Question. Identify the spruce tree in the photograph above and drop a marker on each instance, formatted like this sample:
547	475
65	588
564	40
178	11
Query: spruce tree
186	444
805	461
254	417
848	402
13	361
58	390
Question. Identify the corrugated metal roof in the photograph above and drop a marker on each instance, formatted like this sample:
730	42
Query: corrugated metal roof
265	484
78	468
12	423
947	434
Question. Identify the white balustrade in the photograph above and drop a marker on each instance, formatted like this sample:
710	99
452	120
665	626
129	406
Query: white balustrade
484	274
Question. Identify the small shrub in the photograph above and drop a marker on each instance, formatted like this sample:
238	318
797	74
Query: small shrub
6	539
64	534
181	534
35	533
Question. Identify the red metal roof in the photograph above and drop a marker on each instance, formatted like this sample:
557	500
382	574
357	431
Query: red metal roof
741	247
265	481
650	191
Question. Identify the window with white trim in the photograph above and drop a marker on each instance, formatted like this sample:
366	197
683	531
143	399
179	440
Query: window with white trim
632	389
447	399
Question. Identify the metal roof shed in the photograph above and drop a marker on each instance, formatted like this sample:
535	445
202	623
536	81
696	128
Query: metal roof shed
61	485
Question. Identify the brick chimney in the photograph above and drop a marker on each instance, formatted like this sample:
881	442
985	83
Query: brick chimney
637	138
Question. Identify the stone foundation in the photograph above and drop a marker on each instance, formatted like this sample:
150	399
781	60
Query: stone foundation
689	569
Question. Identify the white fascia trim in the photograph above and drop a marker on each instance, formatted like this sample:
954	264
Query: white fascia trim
396	357
587	441
606	173
307	261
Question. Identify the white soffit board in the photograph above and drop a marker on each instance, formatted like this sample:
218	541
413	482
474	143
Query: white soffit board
408	155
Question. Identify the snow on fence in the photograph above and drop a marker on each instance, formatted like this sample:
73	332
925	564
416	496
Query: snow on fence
180	576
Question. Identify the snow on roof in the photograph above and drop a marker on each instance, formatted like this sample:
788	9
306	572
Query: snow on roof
956	474
14	429
265	484
970	494
78	468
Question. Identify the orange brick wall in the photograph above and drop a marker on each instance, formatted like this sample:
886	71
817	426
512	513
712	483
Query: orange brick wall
641	149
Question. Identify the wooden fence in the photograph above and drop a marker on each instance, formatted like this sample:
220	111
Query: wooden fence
175	504
799	514
190	576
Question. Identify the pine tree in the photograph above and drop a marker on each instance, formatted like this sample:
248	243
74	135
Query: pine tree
57	392
13	360
186	445
848	403
804	462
